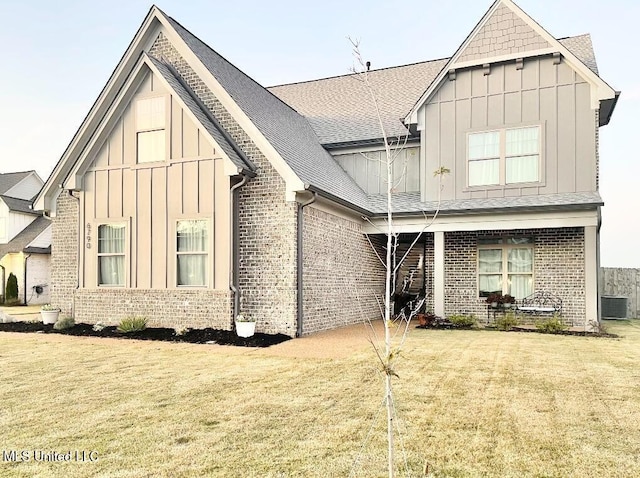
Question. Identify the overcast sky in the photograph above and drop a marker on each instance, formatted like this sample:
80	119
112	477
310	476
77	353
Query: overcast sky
57	56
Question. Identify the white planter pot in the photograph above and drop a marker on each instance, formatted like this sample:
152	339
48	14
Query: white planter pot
49	316
245	329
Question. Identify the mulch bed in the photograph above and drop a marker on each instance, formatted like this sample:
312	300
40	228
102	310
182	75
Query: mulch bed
445	324
194	336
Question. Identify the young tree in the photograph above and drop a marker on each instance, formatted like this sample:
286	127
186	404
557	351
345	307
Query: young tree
389	353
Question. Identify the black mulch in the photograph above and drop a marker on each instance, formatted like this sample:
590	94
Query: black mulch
194	336
445	324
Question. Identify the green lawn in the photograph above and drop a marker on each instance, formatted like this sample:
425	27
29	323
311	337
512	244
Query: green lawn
471	403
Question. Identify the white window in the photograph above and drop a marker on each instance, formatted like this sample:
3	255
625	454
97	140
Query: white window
504	156
192	253
150	127
505	266
111	254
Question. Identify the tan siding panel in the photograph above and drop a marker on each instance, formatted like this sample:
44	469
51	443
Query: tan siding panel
189	138
176	130
463	85
512	78
102	194
585	140
115	193
566	139
447	91
143	227
159	252
206	187
459	154
190	187
115	145
530	105
431	151
548	73
496	79
129	137
496	110
512	108
566	76
413	170
549	112
479	112
90	276
531	75
175	190
478	82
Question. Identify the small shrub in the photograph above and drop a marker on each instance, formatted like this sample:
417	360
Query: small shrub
180	331
11	291
98	326
49	307
463	321
132	324
507	322
552	325
64	323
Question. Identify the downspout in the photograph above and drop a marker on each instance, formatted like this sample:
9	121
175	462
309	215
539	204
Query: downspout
235	246
299	258
26	257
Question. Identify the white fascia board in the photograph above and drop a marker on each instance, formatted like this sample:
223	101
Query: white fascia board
489	222
292	181
142	40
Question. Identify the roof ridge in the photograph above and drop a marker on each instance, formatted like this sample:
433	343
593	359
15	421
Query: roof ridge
355	73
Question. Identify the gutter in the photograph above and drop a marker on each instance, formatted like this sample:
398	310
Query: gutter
235	246
299	258
2	284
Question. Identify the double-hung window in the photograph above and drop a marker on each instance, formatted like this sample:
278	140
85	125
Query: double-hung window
505	265
192	253
504	156
111	254
150	129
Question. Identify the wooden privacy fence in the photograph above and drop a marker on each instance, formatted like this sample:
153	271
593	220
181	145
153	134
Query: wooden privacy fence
622	282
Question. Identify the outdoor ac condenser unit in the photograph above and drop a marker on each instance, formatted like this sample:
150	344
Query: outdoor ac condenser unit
614	307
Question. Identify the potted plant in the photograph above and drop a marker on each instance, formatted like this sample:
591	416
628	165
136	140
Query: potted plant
49	314
245	326
508	301
495	299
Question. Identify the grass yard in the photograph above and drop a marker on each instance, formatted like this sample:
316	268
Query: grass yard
471	403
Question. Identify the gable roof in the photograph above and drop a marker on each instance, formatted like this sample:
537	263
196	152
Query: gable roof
537	41
25	237
19	205
340	109
9	180
287	130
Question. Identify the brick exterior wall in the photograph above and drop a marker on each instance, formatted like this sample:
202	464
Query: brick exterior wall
504	33
64	253
342	275
558	268
162	308
597	150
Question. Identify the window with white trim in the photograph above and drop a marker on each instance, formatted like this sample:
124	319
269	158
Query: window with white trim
150	129
504	156
505	266
192	248
111	255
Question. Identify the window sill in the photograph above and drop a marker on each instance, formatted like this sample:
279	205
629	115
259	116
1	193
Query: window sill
503	187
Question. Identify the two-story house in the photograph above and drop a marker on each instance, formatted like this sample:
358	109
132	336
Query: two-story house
25	238
191	193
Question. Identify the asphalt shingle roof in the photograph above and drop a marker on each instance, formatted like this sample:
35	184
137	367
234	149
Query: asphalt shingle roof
287	131
340	109
9	180
410	203
18	205
217	135
24	238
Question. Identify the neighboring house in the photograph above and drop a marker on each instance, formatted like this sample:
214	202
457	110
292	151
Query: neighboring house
25	238
191	193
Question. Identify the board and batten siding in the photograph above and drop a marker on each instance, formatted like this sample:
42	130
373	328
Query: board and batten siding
151	197
541	93
369	170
